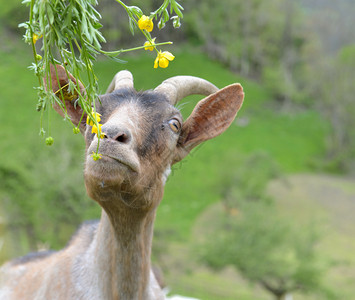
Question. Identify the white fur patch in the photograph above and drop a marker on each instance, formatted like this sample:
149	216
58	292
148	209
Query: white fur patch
166	175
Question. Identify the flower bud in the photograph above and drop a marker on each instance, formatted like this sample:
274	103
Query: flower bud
161	24
42	132
176	22
76	130
96	156
49	141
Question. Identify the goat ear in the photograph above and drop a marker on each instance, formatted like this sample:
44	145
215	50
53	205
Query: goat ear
59	81
211	117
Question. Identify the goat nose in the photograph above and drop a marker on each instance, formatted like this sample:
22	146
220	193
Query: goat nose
121	136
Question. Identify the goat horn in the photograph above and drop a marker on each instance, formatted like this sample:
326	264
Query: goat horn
123	79
179	87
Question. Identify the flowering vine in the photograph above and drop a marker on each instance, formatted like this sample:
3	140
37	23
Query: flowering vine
70	36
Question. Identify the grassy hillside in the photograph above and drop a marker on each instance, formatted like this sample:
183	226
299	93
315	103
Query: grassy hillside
292	138
325	201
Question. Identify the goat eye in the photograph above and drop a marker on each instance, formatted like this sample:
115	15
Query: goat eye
174	125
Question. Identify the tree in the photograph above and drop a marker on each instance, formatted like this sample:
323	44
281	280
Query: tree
266	249
334	92
252	236
258	39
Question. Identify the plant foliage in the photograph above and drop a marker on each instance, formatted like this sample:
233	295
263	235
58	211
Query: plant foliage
70	34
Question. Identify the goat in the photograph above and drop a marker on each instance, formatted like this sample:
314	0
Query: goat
144	135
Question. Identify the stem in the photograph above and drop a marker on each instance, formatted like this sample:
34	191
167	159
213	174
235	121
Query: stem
75	68
161	8
141	47
76	75
77	45
61	104
132	49
81	119
49	122
149	38
32	43
124	5
41	123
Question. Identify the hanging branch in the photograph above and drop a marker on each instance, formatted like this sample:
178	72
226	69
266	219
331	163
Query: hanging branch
71	37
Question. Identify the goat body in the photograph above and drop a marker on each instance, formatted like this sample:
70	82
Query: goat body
143	136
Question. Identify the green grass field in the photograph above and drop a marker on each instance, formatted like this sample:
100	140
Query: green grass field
294	139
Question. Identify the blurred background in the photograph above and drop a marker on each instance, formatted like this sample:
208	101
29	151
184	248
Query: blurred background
265	211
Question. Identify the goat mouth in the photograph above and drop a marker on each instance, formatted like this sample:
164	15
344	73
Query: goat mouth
123	162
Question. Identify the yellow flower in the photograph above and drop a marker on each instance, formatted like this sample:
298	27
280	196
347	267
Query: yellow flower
149	45
145	23
94	128
35	38
97	131
96	156
163	59
95	116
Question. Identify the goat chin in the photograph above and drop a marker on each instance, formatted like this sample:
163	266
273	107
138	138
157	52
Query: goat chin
100	181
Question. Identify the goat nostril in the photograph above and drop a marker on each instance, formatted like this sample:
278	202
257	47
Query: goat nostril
122	138
117	135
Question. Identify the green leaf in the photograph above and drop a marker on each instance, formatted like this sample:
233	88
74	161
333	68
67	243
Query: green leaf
178	5
50	14
68	19
117	60
100	37
84	28
75	12
132	25
166	16
96	43
97	25
177	9
136	10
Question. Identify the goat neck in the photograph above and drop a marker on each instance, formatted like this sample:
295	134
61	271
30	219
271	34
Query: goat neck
121	251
